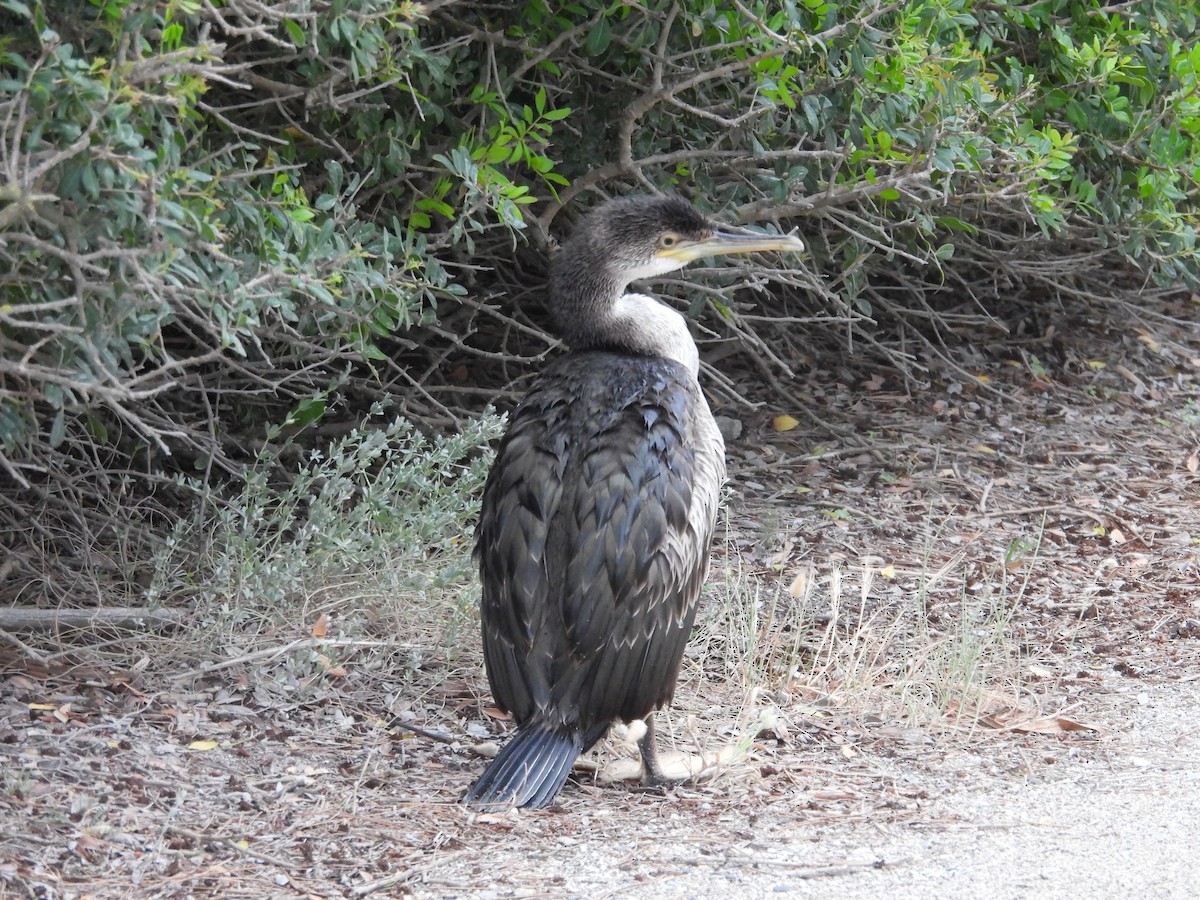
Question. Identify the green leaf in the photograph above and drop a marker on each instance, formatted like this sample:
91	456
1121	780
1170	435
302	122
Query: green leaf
598	38
58	428
337	175
295	33
956	224
15	6
434	205
91	184
172	35
98	429
495	154
306	411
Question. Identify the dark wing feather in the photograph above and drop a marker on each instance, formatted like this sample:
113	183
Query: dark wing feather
521	494
591	550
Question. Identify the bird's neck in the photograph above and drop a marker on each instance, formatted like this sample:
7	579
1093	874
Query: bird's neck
654	329
599	315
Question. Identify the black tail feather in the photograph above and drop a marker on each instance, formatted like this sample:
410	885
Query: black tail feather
529	770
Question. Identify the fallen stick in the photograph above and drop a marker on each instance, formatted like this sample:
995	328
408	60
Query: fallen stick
130	618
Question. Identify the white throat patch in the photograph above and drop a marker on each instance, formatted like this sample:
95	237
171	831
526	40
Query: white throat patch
658	328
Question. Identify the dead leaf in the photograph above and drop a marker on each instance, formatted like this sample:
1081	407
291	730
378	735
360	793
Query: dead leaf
88	846
1052	725
1131	377
1013	720
834	794
320	627
331	668
778	559
784	423
1116	536
202	745
1193	463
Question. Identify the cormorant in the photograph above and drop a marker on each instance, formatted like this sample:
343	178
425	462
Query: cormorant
597	515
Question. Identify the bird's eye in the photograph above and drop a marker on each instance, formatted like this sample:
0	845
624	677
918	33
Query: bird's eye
667	241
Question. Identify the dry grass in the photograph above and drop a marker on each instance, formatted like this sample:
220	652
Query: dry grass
835	641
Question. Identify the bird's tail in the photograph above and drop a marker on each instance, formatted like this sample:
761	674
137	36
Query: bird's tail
529	770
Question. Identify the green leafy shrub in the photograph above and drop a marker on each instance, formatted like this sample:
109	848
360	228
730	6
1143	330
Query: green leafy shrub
147	248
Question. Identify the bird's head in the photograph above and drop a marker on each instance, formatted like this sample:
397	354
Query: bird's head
626	240
640	237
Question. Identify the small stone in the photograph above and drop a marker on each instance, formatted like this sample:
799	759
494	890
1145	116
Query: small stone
730	428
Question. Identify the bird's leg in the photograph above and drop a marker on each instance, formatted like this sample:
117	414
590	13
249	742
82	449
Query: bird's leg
652	773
